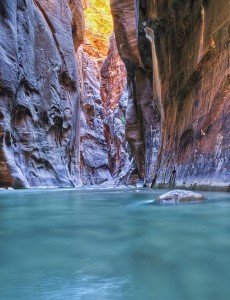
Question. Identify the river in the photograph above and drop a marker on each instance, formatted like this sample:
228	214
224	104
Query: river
110	244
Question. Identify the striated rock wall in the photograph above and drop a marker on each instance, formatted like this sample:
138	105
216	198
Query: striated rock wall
94	152
55	94
114	98
52	116
142	117
103	103
177	57
39	92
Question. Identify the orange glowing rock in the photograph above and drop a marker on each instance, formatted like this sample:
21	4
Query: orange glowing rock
99	27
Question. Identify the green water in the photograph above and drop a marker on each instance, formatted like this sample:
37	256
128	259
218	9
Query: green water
112	244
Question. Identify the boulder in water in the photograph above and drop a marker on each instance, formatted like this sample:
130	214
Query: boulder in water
10	189
179	196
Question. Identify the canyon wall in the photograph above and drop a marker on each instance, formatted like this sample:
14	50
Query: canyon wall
105	155
177	57
103	147
114	96
39	92
54	113
65	103
94	153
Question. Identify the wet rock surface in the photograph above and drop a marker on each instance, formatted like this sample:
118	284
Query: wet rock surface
177	56
179	196
124	14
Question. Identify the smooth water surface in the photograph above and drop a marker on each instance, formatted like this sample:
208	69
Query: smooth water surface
112	244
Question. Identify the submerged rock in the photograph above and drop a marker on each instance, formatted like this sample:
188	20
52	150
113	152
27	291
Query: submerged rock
179	196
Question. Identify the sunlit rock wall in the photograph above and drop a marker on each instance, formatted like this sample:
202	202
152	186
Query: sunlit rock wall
39	92
177	57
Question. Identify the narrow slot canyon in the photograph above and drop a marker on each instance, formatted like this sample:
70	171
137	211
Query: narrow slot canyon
104	151
114	93
114	149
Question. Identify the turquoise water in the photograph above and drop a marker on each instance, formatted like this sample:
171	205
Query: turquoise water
112	244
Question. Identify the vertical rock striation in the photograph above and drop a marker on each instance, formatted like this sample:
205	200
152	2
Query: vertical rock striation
142	116
94	152
64	106
114	98
53	120
177	58
103	103
39	92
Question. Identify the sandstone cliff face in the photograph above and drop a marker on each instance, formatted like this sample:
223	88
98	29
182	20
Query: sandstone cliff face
55	94
103	106
177	57
124	14
142	117
94	152
114	96
39	93
53	120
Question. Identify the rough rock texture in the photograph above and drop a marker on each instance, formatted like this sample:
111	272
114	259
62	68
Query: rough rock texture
39	93
177	57
142	118
114	98
94	152
50	98
103	146
176	54
179	196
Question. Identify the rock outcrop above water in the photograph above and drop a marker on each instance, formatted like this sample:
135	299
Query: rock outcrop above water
177	58
39	92
179	196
